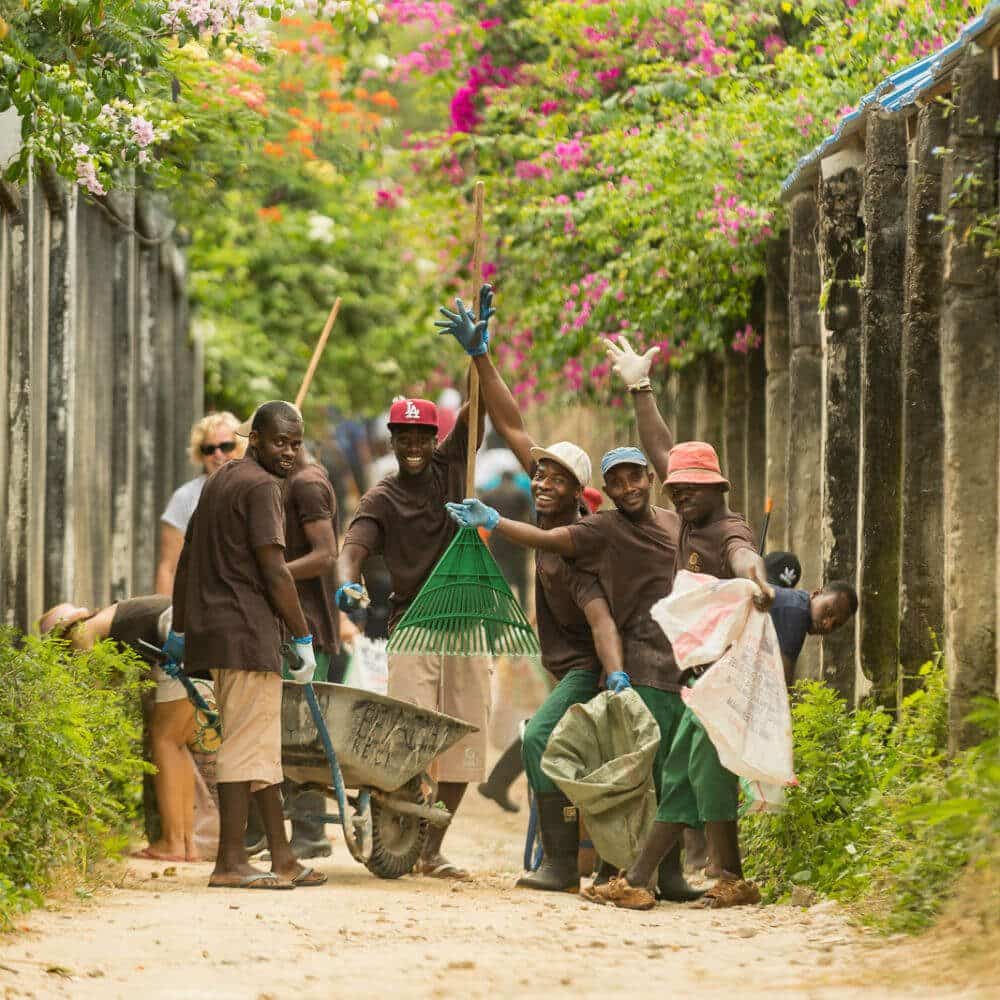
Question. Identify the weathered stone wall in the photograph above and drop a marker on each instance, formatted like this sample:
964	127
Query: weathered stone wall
102	383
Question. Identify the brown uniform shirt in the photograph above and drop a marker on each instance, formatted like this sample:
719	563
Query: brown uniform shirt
309	497
229	622
634	563
709	548
562	591
403	519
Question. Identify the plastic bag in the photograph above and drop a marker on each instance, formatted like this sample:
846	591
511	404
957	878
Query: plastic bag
761	797
741	699
368	668
601	754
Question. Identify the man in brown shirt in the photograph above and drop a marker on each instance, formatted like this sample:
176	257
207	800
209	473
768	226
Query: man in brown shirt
231	593
403	519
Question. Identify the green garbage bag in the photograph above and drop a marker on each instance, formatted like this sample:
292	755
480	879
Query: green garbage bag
601	757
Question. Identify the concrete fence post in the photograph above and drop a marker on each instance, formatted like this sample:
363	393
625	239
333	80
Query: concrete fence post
775	360
970	379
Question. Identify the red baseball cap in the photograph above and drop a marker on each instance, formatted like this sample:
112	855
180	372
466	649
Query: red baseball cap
694	463
413	413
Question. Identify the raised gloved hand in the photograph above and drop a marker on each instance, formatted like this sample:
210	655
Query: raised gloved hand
617	681
472	513
173	648
350	596
633	368
471	333
303	649
486	308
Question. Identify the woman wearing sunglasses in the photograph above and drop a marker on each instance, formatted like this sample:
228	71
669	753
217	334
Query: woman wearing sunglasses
213	443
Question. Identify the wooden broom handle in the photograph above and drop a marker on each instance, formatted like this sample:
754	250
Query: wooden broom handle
478	195
317	354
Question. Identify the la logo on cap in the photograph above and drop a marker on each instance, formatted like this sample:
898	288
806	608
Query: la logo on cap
412	411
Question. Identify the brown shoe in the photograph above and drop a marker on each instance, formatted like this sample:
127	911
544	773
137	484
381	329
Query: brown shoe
619	893
731	892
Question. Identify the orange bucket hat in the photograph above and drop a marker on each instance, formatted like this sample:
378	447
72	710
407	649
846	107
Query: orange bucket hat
694	463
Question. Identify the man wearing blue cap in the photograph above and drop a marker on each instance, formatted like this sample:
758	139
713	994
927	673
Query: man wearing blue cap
631	551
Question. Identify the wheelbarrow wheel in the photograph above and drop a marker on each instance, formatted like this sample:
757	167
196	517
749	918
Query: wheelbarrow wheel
397	840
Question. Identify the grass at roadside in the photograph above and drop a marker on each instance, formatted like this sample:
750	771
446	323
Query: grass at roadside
70	761
883	818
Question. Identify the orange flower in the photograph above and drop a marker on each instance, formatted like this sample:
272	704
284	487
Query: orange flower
308	153
299	135
295	112
292	86
274	149
271	214
360	93
384	99
329	95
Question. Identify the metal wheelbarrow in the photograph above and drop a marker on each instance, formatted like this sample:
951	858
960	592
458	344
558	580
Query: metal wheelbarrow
336	738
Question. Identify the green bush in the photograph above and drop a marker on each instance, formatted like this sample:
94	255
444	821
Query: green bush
70	760
881	816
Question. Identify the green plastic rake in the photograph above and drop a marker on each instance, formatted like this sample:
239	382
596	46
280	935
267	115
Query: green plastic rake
465	607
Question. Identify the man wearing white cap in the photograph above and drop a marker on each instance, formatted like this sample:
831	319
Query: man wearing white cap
627	553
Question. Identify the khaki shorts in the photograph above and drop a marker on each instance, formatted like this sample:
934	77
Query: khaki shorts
455	685
167	688
250	708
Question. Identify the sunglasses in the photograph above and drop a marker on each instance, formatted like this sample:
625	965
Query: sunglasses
227	447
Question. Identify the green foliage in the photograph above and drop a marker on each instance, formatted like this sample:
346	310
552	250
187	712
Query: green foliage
69	760
881	817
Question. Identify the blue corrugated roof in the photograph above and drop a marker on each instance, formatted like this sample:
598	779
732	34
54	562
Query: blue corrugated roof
897	92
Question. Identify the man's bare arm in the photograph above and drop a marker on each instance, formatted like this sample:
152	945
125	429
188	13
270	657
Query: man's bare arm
747	564
281	587
504	412
558	540
607	638
171	543
322	555
655	436
352	558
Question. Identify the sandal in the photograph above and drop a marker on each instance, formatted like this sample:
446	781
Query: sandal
444	869
308	877
259	880
732	892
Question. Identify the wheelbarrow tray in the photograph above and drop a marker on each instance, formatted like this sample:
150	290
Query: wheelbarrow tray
380	742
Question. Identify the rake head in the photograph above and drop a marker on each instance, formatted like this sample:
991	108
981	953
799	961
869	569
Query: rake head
465	608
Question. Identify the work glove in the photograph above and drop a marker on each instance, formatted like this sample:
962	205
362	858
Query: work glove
350	596
471	333
173	648
304	653
472	513
633	368
617	681
486	308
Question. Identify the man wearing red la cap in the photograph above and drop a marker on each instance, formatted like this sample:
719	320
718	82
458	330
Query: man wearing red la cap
403	519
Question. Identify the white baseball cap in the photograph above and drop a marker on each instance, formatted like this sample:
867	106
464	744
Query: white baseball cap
569	456
244	429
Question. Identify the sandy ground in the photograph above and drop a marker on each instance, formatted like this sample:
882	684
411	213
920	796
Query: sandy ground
163	934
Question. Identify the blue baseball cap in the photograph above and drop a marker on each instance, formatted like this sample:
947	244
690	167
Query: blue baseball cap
622	456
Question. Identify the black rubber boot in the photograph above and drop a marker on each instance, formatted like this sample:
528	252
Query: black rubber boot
560	832
671	884
302	806
503	775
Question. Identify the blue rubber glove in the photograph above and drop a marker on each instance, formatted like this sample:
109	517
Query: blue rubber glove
173	648
486	308
306	655
471	333
474	514
350	596
617	681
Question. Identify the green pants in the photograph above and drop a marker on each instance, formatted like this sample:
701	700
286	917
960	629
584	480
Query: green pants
696	788
668	709
575	687
322	667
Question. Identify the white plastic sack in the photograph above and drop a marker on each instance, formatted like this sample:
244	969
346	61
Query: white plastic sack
761	797
741	700
368	668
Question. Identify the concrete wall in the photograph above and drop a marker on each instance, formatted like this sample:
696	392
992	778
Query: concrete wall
102	383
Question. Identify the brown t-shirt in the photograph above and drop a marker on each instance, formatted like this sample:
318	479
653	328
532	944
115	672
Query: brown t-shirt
562	591
229	622
138	618
709	548
634	563
309	497
403	519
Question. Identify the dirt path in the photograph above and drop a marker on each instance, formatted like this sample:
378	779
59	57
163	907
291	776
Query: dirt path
170	937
